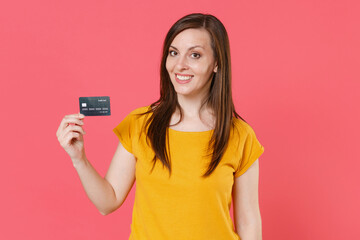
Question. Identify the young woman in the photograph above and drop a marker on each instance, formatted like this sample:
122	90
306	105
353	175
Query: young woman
190	152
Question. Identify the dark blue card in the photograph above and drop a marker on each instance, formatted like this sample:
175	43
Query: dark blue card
95	106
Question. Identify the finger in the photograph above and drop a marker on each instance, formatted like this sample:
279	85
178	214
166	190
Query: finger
73	118
64	128
71	128
76	115
74	128
69	137
77	128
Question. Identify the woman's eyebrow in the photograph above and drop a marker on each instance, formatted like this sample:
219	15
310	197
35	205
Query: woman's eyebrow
189	47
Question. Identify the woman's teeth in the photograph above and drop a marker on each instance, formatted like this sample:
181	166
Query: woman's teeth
183	77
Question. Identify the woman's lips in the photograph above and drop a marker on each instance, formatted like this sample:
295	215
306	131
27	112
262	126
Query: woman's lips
182	78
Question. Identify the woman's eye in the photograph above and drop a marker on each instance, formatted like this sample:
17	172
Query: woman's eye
195	55
172	53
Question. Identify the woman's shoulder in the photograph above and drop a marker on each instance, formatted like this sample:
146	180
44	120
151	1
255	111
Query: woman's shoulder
140	110
242	126
138	115
134	119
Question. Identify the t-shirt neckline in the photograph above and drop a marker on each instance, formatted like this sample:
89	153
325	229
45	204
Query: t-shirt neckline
192	132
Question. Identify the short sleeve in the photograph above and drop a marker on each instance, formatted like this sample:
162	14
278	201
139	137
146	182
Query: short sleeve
252	150
124	131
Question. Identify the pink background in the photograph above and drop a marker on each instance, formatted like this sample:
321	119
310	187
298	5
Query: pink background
295	77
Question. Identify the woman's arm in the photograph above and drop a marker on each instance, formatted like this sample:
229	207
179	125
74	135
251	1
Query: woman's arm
108	193
247	216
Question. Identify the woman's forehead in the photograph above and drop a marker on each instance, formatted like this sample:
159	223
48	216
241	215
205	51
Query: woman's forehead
193	37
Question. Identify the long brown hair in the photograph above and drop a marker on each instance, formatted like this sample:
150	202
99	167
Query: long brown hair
219	98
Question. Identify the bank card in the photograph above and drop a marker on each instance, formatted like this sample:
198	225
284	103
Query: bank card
95	106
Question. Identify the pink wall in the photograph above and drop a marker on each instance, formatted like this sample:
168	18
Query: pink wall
296	81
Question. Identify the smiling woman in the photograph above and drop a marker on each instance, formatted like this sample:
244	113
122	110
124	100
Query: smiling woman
190	152
191	63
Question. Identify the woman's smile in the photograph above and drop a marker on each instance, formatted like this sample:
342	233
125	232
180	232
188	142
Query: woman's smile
182	78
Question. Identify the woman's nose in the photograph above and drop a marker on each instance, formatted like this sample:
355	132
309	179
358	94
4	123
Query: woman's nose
182	63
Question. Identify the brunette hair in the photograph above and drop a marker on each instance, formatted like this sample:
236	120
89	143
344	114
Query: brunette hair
219	98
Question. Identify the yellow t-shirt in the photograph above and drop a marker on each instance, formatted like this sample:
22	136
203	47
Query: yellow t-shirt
185	206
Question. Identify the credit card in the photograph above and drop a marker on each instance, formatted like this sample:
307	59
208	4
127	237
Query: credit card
95	106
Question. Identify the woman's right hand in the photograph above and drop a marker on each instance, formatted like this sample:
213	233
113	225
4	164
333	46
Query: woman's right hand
70	135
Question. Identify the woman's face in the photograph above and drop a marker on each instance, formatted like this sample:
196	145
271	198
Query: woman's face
191	63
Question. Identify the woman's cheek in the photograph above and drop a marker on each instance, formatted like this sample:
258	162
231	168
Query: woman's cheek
170	64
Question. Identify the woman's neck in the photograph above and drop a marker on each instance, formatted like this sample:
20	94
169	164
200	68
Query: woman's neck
190	107
194	115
